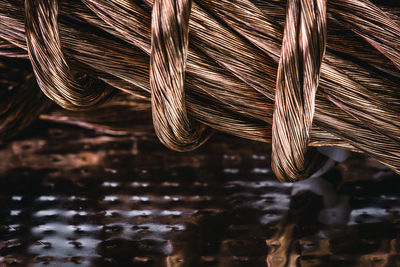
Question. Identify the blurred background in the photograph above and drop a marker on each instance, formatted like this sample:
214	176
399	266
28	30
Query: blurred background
77	197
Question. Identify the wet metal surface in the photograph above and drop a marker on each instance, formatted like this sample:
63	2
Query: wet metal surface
71	197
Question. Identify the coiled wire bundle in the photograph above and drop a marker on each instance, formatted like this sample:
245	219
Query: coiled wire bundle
297	73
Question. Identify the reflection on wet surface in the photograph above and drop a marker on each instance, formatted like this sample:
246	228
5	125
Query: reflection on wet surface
71	197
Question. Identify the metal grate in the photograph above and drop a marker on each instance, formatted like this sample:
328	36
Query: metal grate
71	197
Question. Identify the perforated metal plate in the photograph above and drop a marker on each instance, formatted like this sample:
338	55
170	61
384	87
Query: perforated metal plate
71	197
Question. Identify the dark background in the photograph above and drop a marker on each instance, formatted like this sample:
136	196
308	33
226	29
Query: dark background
73	197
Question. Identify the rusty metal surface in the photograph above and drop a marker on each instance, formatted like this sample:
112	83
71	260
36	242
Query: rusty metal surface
73	197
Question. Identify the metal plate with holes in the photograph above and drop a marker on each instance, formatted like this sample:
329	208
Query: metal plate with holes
72	197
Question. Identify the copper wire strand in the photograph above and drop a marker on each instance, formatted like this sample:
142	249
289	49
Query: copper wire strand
303	48
221	68
49	65
169	46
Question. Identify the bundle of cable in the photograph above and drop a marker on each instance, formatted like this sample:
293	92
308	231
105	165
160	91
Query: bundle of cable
299	74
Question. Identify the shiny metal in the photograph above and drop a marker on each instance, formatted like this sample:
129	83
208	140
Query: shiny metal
73	197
